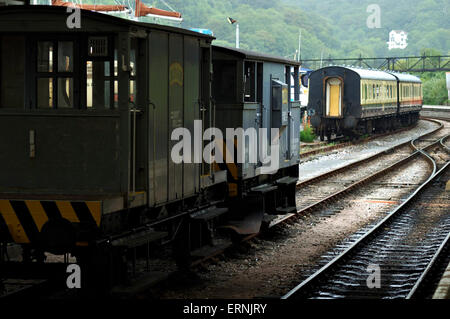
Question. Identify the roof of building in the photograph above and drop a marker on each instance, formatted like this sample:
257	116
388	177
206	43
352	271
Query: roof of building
251	55
380	75
404	77
45	9
373	74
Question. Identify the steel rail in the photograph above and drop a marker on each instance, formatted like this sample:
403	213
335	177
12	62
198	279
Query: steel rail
421	281
358	183
367	159
350	143
312	280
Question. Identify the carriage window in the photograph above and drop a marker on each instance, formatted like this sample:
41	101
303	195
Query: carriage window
45	56
101	74
116	82
224	84
12	74
65	92
132	91
65	56
45	89
259	84
55	85
249	78
134	69
98	86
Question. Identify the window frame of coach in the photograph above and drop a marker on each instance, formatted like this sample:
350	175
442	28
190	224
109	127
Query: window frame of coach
77	72
34	75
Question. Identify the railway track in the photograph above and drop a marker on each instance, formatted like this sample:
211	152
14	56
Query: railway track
325	188
322	201
21	279
344	187
342	143
322	209
403	248
19	287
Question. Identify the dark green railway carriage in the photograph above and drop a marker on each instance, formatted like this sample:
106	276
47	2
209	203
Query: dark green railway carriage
86	116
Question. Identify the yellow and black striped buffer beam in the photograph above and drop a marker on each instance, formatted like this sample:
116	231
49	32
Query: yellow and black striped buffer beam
22	220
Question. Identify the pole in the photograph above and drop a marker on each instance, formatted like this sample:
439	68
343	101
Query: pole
237	35
299	45
321	58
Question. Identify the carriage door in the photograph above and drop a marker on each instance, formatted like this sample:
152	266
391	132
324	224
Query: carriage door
334	97
207	106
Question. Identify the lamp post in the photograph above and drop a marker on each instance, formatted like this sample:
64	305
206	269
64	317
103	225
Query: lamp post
232	21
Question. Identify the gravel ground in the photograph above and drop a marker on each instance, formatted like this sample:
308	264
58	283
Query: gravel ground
444	114
274	263
314	166
311	193
428	139
439	155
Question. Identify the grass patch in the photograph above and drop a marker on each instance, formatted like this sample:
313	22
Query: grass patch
307	135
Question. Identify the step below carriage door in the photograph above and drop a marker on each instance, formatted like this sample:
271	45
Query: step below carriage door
333	89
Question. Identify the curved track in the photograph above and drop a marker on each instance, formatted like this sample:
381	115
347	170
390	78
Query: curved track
402	248
342	144
321	193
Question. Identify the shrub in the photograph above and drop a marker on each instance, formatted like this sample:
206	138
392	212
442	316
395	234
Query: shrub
307	135
435	89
